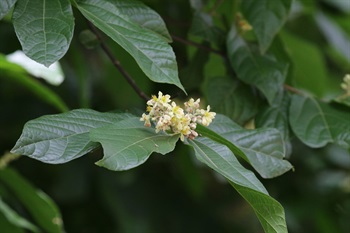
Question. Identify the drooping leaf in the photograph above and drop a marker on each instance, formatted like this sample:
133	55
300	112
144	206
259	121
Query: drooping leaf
5	7
41	208
151	52
15	73
128	143
316	123
231	98
222	160
144	16
262	71
44	28
62	137
267	18
263	148
269	211
14	218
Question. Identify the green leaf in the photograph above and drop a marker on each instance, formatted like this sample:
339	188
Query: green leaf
269	211
222	160
267	18
41	208
231	98
5	7
316	123
263	148
151	52
14	73
44	28
16	219
204	27
262	71
62	137
144	16
129	143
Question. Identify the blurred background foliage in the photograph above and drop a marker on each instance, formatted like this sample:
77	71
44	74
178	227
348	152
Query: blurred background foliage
174	193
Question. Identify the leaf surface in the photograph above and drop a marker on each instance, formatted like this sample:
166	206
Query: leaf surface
129	143
44	28
267	18
222	160
5	7
316	123
63	137
41	208
151	52
261	71
262	148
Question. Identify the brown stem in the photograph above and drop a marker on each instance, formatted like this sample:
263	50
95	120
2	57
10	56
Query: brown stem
292	89
116	63
192	43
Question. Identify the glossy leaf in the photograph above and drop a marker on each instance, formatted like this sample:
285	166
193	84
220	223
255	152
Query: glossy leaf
129	143
44	28
231	98
316	123
267	18
41	208
5	7
151	52
222	160
263	148
62	137
262	71
15	73
269	211
144	16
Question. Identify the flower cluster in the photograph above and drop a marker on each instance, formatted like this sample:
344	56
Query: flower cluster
169	117
346	84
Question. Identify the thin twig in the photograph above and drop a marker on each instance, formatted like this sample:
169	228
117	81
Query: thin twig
116	63
192	43
292	89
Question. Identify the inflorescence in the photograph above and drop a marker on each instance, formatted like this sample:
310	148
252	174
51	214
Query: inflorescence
346	84
169	117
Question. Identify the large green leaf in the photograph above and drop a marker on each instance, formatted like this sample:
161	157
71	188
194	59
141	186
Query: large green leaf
41	208
129	143
263	148
262	71
144	16
316	123
267	18
5	7
44	28
15	73
151	52
232	98
62	137
222	160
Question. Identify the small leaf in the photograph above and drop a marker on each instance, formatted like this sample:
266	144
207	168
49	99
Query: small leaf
262	71
232	98
16	219
44	28
41	208
151	52
263	148
267	18
220	158
5	7
316	123
62	137
128	144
